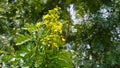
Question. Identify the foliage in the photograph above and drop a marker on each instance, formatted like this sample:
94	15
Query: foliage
97	39
42	46
93	42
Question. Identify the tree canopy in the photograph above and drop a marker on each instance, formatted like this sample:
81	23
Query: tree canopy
43	34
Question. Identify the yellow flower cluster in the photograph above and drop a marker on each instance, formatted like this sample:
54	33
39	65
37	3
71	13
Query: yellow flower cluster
52	14
39	24
51	20
52	24
54	40
57	28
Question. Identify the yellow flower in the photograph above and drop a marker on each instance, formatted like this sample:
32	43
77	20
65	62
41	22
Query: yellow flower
53	27
54	44
47	38
55	30
56	9
63	39
60	31
46	22
50	11
46	16
38	24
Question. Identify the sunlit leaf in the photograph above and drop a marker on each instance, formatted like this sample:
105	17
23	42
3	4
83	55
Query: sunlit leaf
21	39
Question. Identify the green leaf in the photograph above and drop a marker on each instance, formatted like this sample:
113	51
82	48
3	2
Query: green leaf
21	39
65	59
4	52
30	27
